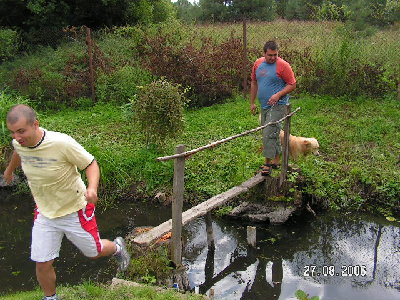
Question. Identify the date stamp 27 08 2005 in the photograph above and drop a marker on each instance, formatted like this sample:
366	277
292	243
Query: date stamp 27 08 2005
331	270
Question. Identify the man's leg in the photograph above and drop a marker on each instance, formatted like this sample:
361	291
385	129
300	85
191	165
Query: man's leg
271	142
46	243
81	229
46	277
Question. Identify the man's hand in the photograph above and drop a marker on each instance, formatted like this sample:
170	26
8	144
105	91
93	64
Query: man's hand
273	100
91	195
253	108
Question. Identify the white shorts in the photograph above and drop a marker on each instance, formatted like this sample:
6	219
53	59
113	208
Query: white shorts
79	227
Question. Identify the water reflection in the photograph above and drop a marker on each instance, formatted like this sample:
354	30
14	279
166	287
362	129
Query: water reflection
330	257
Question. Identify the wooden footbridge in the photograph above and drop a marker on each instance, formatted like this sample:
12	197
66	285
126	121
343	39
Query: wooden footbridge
204	209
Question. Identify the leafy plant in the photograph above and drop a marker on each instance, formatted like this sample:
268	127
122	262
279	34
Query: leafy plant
301	295
122	84
9	43
222	211
158	111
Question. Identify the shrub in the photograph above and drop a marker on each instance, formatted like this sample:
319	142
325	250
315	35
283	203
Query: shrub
121	85
9	44
213	71
158	111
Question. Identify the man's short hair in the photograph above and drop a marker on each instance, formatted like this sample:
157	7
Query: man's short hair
271	45
19	110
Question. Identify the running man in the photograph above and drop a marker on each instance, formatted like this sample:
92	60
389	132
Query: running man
64	206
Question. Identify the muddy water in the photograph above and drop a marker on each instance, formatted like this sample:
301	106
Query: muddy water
333	257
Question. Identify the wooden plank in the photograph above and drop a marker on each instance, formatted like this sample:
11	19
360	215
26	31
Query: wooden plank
199	210
177	203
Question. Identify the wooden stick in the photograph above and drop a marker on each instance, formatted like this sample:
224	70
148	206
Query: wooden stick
213	144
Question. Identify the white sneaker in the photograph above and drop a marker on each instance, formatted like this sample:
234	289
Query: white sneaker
122	256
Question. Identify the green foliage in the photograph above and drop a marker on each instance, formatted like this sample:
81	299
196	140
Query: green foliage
222	211
340	70
90	290
158	111
9	44
330	11
186	11
142	11
122	84
150	265
301	295
163	10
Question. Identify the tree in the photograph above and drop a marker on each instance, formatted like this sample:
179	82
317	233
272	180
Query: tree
213	10
187	11
264	10
163	10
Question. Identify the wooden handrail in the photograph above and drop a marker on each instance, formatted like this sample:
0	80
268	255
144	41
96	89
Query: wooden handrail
213	144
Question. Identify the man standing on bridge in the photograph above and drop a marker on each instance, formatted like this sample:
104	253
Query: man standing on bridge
272	79
64	206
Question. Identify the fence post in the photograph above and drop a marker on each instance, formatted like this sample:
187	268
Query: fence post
244	63
209	229
251	236
285	152
178	189
91	70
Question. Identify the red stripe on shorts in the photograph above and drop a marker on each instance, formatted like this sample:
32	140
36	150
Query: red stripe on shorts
90	226
35	213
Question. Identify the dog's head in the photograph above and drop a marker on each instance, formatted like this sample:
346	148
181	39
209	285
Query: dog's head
312	146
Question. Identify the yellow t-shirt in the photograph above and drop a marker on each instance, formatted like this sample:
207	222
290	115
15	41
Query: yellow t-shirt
53	177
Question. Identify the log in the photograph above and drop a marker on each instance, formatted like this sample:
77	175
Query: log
198	210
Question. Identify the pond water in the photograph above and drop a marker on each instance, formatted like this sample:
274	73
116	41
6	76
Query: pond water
331	256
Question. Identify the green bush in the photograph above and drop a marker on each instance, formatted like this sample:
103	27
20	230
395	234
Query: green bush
158	111
9	44
122	84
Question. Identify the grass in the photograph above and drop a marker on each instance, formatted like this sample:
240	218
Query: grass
359	142
90	291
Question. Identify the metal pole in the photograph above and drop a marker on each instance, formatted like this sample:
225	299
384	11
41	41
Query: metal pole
178	189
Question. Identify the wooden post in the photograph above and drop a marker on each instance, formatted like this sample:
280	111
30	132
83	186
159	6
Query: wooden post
178	189
251	235
91	70
209	229
285	151
244	62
